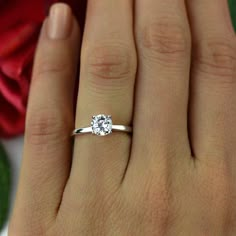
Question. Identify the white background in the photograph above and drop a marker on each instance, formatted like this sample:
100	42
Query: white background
14	149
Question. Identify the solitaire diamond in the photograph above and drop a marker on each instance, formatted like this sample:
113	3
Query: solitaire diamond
101	125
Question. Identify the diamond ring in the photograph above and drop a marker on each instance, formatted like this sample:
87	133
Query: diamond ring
101	125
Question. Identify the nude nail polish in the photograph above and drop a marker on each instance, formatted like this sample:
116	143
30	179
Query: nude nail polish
60	21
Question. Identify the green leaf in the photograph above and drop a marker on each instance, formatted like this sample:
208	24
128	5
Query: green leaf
4	186
232	6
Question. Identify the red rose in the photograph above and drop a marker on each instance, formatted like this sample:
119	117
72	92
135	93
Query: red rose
20	22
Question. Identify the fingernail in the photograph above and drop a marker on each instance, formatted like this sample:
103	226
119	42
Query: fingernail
60	21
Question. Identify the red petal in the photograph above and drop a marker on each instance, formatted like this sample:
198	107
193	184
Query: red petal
10	91
16	11
16	37
12	121
14	66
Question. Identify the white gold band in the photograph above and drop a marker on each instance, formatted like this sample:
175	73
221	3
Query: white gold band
87	130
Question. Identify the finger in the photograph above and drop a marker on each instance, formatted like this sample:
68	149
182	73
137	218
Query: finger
47	150
213	100
160	116
108	67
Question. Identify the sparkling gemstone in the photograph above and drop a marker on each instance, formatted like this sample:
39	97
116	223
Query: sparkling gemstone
101	125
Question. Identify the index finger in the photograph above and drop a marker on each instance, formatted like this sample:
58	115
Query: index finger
47	149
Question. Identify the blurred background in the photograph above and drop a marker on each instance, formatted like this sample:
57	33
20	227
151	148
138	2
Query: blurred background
20	22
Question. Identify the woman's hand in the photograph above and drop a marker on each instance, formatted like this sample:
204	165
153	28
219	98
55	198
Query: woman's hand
168	68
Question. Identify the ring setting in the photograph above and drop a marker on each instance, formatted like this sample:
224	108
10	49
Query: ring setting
102	125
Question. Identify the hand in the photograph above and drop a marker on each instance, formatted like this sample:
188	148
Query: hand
176	175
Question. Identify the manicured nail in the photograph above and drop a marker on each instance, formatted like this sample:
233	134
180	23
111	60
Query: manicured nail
60	21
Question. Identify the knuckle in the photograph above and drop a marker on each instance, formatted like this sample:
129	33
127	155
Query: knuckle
46	124
217	58
165	41
47	67
218	182
25	229
110	62
157	198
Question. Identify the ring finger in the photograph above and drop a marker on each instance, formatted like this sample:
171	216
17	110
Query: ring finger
108	68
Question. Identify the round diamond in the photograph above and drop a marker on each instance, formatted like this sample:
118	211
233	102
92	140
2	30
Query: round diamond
101	125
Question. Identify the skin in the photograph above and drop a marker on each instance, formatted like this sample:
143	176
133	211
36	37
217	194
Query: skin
168	68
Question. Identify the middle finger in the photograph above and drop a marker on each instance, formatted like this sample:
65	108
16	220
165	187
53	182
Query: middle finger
160	115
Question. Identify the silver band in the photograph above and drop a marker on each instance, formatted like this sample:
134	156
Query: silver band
87	130
102	125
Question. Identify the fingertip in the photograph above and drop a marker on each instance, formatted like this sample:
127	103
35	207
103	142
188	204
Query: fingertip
60	24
